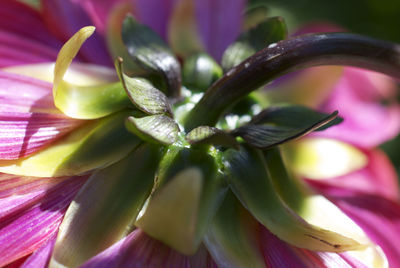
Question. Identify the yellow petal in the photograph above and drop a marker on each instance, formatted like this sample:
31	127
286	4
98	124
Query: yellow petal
68	52
320	158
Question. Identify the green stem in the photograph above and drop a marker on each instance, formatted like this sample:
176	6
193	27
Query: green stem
290	55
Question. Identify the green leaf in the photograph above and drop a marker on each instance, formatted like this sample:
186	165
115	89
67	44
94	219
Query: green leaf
105	208
250	181
293	116
200	71
265	33
266	136
152	53
232	238
96	144
187	194
142	93
211	135
159	129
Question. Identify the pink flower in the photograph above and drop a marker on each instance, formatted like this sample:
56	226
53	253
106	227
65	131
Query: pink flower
58	205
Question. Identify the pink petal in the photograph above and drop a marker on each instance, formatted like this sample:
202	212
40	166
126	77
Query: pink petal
23	36
377	216
41	257
28	220
98	11
18	50
24	94
377	178
219	23
357	96
22	134
73	18
155	14
281	255
23	20
28	118
17	263
140	250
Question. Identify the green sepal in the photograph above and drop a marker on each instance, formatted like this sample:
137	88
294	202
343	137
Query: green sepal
265	33
268	135
143	94
293	116
90	102
105	208
152	53
249	180
211	135
200	71
96	144
187	194
158	129
232	238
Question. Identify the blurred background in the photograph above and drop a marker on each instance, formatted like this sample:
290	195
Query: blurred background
380	19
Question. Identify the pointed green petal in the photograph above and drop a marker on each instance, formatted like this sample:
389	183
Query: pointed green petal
269	135
269	31
143	94
293	116
251	182
105	209
158	129
200	71
232	237
211	135
96	144
152	53
189	192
